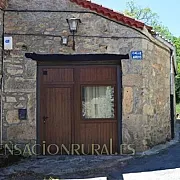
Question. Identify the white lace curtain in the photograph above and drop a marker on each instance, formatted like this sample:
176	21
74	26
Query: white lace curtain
98	102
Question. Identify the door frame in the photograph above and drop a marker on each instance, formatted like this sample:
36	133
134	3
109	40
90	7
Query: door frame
97	60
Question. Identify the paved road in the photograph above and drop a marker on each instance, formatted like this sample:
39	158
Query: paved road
167	159
57	166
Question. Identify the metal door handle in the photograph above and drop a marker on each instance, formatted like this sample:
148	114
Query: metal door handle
44	119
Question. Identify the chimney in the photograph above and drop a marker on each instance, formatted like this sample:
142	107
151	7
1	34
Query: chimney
3	4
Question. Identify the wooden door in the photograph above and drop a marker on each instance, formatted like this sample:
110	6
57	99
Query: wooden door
56	109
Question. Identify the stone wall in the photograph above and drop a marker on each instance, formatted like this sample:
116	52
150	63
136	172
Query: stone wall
157	95
145	83
148	118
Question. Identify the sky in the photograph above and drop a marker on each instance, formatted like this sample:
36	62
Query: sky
167	10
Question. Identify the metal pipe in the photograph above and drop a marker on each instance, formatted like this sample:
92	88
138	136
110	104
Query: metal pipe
29	34
82	36
171	73
73	41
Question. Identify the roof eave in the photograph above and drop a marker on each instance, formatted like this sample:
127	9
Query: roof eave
108	13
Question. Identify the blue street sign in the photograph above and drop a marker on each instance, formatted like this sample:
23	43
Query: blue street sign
137	55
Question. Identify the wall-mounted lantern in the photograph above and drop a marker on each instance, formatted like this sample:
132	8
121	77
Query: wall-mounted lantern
73	27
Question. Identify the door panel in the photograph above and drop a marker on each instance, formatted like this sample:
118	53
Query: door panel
91	131
58	125
97	74
58	75
103	136
57	128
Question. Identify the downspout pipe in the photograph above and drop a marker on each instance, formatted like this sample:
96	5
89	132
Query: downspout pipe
171	73
172	96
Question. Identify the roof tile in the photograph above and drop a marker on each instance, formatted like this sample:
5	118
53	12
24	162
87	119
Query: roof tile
111	14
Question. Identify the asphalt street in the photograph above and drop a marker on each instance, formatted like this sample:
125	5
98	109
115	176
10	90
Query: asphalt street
162	166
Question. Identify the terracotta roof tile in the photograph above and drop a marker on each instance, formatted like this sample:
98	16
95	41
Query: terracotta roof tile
111	14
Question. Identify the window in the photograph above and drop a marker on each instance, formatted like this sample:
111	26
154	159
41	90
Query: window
98	102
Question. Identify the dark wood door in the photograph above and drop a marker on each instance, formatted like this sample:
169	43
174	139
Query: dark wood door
63	93
56	106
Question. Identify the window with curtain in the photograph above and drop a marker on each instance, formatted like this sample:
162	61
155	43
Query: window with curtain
98	102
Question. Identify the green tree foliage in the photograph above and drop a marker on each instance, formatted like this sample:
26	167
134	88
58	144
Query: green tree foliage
142	14
150	18
147	16
177	88
176	42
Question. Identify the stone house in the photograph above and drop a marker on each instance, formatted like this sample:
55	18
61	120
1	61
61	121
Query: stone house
111	82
